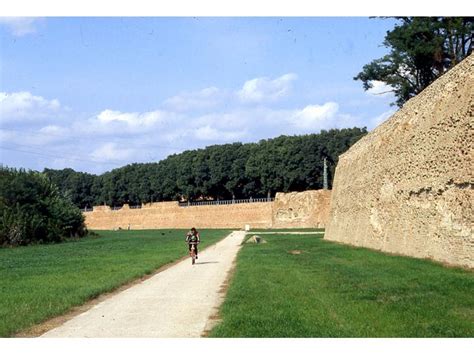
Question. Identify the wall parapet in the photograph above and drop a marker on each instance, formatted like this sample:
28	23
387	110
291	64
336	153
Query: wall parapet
225	202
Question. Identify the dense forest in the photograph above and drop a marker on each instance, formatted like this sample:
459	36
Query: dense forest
285	163
32	210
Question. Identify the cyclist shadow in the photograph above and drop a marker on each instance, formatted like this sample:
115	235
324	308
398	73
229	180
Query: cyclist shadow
206	262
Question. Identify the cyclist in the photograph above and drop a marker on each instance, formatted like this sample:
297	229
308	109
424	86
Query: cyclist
192	237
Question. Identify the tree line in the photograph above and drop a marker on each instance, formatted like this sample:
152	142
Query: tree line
237	170
32	210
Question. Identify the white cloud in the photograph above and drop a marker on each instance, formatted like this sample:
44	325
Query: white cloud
210	133
24	105
314	117
128	125
20	26
110	151
233	119
145	119
196	100
264	89
380	89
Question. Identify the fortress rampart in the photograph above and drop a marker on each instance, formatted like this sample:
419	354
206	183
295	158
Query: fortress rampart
407	187
289	210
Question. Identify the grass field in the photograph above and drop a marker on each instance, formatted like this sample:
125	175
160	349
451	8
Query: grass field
332	290
39	282
288	230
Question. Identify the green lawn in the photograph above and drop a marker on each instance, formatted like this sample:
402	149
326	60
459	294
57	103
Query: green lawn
333	290
42	281
287	230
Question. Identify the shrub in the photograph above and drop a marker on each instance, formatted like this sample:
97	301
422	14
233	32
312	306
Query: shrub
33	211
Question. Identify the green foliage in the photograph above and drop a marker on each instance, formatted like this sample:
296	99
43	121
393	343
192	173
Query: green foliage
33	211
43	281
421	50
331	290
286	163
76	186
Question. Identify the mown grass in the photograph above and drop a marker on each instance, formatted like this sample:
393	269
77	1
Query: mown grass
333	290
287	230
42	281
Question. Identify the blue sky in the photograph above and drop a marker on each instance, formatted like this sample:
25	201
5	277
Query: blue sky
98	93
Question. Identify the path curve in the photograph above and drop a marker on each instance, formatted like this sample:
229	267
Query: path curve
178	302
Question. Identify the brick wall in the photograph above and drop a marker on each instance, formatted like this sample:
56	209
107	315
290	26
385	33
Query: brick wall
407	187
302	209
307	209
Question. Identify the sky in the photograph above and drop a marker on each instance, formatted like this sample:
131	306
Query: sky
94	94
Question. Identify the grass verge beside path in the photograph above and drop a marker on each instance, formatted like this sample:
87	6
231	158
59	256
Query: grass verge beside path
43	281
304	286
287	230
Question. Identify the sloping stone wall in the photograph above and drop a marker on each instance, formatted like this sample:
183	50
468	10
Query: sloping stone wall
407	187
302	209
307	209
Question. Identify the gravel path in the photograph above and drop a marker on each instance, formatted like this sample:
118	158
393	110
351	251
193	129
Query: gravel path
178	302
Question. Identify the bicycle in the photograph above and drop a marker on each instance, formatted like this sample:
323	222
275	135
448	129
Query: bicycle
192	252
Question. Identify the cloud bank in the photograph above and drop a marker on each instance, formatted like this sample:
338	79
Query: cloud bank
23	105
187	120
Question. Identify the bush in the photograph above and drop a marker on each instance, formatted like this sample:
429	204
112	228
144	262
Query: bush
33	211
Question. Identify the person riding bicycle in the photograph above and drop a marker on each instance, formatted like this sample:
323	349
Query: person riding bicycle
192	237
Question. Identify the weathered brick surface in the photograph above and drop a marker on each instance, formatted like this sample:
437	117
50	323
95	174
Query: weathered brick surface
407	187
170	215
302	209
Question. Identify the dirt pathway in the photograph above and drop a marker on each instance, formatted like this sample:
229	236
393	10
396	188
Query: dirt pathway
178	302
